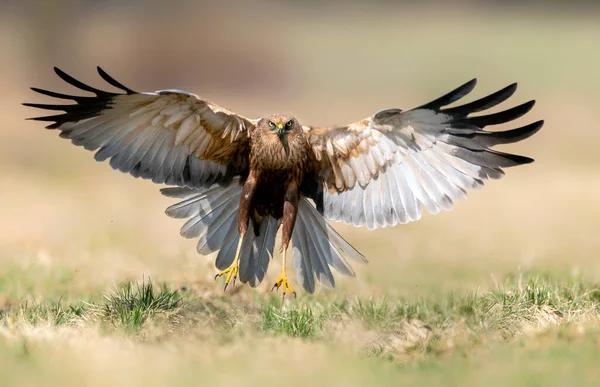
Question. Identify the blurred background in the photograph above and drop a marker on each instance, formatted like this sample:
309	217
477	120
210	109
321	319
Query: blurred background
69	225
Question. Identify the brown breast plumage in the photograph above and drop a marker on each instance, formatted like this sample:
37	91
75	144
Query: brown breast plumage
278	162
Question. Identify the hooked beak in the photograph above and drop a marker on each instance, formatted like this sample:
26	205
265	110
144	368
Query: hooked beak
280	130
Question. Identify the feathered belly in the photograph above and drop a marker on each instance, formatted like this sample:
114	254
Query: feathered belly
271	189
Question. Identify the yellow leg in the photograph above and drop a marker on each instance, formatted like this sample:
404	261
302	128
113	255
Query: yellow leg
282	281
233	270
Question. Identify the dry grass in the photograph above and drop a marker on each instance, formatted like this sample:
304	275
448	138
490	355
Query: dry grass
500	291
158	336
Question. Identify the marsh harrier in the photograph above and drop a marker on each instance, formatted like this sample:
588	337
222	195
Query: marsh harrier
241	179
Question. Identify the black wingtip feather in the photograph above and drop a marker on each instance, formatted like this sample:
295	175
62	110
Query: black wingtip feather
490	158
483	103
513	159
500	117
46	118
85	107
54	94
483	140
451	97
80	85
521	133
56	118
114	82
48	107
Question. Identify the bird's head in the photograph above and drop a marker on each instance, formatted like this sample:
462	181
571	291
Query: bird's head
279	125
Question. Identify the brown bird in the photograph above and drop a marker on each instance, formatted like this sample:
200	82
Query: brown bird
242	179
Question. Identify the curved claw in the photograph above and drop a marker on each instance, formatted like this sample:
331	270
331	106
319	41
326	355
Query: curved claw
231	271
283	283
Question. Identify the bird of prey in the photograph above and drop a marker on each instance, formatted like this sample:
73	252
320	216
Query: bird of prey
240	180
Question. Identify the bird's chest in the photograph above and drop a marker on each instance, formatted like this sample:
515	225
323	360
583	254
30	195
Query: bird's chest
277	166
280	161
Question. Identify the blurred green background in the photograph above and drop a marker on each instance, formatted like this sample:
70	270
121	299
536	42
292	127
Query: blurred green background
67	218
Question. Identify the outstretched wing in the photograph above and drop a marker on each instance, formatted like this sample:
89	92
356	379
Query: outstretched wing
379	171
169	136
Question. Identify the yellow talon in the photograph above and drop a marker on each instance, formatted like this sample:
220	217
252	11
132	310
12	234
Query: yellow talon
234	269
282	281
231	271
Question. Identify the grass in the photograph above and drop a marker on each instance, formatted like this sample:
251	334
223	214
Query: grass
131	305
404	330
53	313
435	340
301	322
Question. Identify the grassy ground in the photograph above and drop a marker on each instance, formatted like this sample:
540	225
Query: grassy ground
98	288
157	335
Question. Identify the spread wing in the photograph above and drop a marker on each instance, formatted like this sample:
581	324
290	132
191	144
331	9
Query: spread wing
169	136
381	170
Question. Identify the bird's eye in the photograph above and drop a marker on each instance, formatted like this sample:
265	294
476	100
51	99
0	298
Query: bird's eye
289	124
271	124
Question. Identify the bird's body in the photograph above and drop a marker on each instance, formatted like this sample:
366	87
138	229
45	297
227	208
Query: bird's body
240	180
279	163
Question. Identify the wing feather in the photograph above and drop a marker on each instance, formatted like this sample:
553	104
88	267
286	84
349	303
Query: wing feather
381	170
168	136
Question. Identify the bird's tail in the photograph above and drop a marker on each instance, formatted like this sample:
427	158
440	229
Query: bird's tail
213	218
316	246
